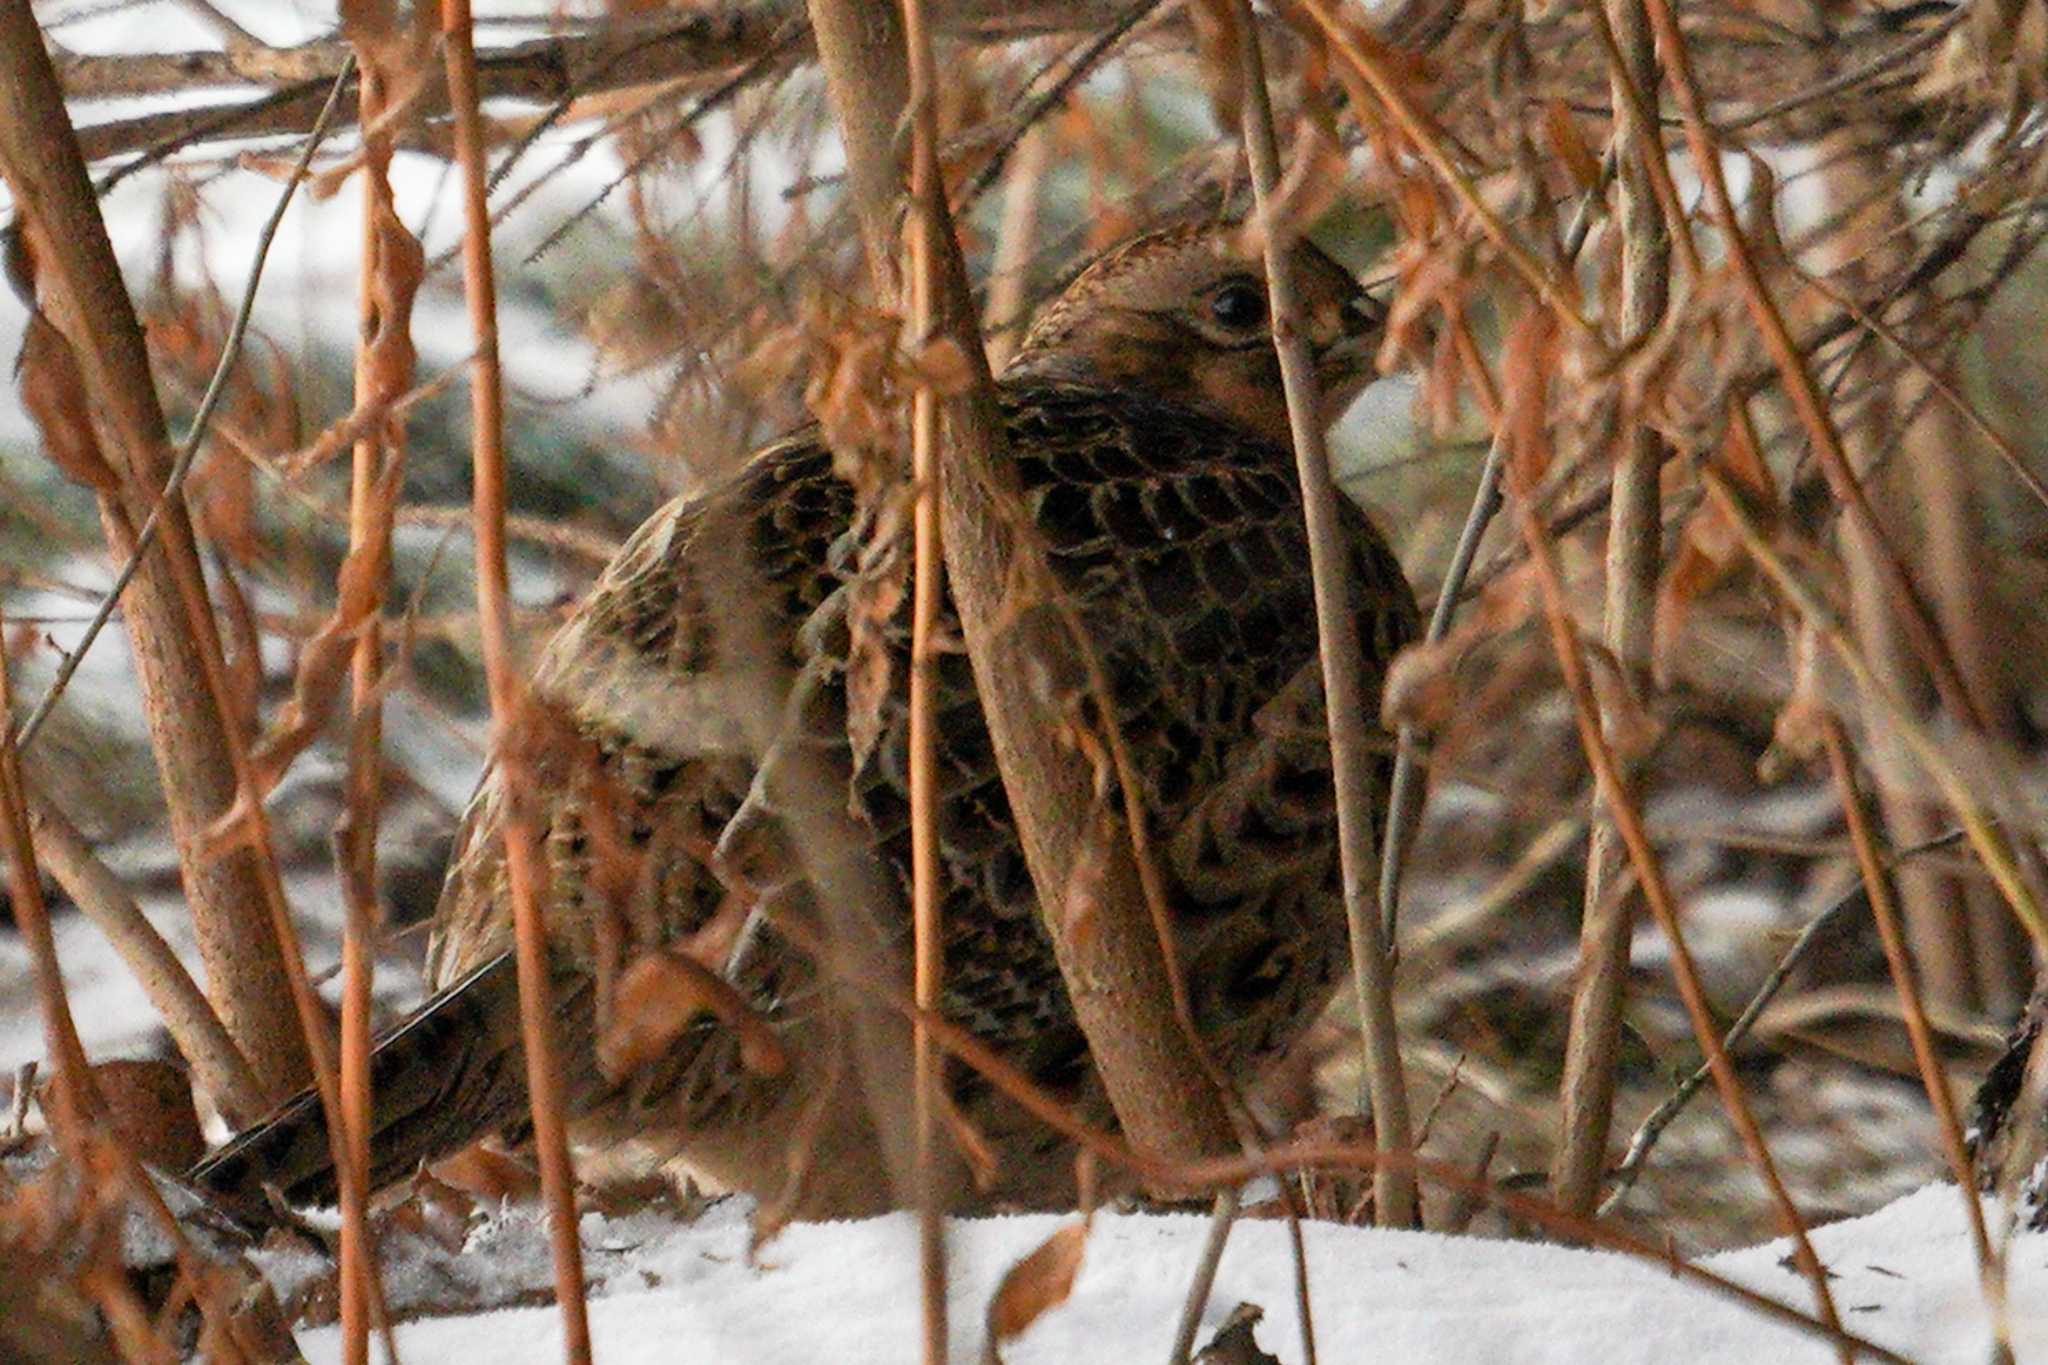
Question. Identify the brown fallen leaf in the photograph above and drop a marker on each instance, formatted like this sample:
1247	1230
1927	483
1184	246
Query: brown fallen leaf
1039	1281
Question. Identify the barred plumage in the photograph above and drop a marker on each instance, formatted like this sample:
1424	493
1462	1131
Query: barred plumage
1172	516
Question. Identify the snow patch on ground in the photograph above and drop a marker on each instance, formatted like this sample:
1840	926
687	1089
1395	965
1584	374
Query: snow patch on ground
847	1292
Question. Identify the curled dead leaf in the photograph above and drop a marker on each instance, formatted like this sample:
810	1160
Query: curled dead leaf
53	392
656	998
1561	132
1422	684
1040	1281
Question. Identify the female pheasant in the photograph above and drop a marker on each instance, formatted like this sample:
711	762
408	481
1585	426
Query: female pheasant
1146	420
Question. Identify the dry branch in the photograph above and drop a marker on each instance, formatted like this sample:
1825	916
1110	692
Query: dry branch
176	646
1634	561
1121	978
526	874
217	1064
1352	762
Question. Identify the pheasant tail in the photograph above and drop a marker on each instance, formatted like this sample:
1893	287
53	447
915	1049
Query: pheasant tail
455	1070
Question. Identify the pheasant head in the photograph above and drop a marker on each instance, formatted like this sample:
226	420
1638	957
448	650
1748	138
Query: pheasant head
1181	314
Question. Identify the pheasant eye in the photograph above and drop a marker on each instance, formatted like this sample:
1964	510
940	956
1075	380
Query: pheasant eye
1239	306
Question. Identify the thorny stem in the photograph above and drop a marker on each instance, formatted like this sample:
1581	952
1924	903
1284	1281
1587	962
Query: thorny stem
1352	763
524	871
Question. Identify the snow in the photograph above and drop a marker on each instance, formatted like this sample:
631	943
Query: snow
847	1292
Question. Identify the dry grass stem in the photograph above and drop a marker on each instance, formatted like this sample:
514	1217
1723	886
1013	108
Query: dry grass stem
525	872
380	375
1933	1078
927	223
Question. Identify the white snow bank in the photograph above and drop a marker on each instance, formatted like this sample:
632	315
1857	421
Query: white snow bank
847	1292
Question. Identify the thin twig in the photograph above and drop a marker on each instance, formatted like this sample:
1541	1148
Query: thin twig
1651	1129
1797	378
926	226
1524	418
1085	60
1228	1173
1404	803
1352	761
525	875
1883	910
1222	1216
188	450
1553	288
1985	835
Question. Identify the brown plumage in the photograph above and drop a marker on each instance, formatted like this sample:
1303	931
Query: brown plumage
1146	422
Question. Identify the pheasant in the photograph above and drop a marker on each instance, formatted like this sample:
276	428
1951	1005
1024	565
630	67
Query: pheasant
1147	424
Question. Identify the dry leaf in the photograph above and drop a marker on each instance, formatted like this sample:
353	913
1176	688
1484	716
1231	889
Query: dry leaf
1561	132
53	392
148	1105
486	1172
1422	684
657	996
1040	1281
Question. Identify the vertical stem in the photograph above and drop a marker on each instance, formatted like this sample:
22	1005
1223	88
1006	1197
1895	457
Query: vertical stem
927	549
1586	1092
1885	911
70	1086
1352	763
1122	977
1523	416
524	870
369	533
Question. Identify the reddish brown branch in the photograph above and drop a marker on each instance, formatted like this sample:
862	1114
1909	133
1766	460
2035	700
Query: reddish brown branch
525	872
